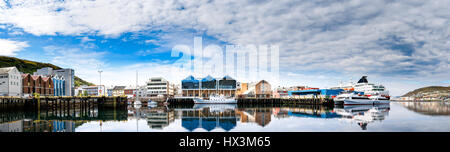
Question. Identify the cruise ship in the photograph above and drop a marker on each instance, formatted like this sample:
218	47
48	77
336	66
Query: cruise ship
369	89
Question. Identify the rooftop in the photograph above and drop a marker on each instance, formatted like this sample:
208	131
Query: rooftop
6	70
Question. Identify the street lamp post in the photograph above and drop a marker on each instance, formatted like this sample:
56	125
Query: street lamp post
100	84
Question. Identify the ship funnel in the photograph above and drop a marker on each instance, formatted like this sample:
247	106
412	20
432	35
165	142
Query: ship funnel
363	80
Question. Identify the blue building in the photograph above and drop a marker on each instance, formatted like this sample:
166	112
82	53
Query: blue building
192	87
316	92
59	84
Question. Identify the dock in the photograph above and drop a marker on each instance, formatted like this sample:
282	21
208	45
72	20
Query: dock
263	101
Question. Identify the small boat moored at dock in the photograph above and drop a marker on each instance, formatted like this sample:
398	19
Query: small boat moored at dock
215	100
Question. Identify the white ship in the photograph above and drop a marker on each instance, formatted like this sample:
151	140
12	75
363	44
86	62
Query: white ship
363	85
216	100
356	99
370	89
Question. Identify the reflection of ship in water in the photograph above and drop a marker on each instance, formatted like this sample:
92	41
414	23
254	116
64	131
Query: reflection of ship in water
306	111
208	117
260	116
215	107
160	117
428	108
363	114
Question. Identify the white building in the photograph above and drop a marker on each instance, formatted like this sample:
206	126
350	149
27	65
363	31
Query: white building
141	91
10	82
91	90
158	86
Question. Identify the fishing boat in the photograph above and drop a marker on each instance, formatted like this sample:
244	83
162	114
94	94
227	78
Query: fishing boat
214	99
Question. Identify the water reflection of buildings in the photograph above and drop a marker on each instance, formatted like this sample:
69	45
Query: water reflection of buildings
28	125
207	119
54	120
158	118
260	116
428	108
363	114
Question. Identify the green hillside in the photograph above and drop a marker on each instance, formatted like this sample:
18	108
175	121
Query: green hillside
427	89
27	66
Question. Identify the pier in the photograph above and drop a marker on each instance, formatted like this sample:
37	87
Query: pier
264	101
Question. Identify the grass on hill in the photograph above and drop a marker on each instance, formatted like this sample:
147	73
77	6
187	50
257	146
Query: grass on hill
27	66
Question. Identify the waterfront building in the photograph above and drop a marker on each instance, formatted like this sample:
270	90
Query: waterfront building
91	90
59	86
261	89
41	85
79	91
241	88
141	91
27	85
280	92
10	82
129	91
316	93
192	87
109	91
67	74
118	91
37	87
158	86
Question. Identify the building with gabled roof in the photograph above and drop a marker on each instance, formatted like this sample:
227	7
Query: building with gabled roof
207	86
10	82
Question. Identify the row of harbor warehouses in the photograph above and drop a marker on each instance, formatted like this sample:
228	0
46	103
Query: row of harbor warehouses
227	86
60	82
45	82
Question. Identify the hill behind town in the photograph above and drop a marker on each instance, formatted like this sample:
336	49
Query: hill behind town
27	66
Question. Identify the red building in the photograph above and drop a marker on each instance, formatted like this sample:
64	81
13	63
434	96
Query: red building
37	84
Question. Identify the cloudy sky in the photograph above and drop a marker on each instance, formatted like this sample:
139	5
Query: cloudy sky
402	44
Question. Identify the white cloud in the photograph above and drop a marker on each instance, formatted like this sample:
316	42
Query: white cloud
85	63
86	39
407	39
10	47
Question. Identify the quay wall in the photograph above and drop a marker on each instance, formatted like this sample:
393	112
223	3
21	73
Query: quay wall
264	101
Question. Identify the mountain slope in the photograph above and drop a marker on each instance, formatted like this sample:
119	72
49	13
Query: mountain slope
27	66
426	89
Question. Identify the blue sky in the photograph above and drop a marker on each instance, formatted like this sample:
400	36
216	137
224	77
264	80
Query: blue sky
401	44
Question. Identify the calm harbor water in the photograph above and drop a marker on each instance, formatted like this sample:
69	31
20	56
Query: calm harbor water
396	117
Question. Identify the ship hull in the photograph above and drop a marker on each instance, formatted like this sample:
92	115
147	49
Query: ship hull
364	102
225	101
